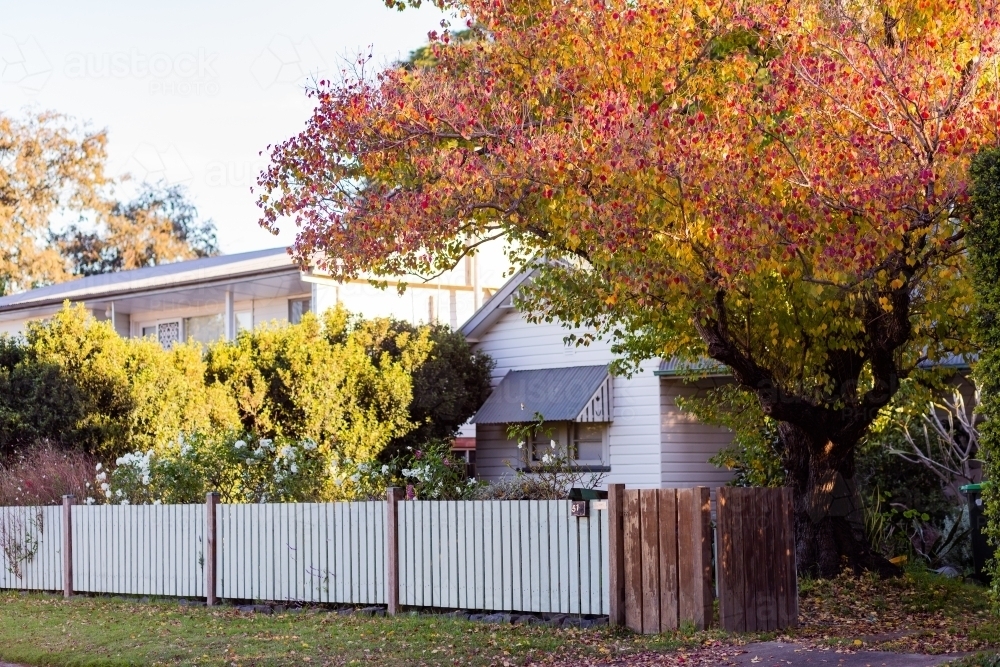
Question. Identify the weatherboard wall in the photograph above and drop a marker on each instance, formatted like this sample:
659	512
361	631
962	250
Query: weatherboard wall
634	435
687	444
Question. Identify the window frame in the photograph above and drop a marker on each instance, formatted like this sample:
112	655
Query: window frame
563	433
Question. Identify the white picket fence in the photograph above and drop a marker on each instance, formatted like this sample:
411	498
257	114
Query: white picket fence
524	555
502	555
331	552
139	549
31	541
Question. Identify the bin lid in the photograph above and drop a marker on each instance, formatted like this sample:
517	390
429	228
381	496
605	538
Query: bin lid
969	488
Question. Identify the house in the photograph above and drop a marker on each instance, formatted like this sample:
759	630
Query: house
215	297
628	427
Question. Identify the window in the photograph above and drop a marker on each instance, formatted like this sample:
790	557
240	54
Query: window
585	444
244	321
297	308
469	457
205	329
166	333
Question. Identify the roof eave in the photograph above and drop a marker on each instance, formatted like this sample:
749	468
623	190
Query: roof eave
124	291
490	312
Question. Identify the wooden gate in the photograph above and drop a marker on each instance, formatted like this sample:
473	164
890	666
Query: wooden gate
662	558
757	583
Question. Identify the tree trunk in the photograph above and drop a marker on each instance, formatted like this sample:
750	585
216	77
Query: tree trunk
829	514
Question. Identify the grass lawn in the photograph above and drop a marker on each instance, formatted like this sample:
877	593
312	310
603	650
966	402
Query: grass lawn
46	630
918	613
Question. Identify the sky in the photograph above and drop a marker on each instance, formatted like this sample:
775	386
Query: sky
191	92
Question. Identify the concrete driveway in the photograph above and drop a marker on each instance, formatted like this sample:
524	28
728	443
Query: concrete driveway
778	654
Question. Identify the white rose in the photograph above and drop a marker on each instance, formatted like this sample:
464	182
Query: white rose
99	466
239	444
385	470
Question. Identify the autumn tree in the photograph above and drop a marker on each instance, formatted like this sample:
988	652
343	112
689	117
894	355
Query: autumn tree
160	225
49	168
781	187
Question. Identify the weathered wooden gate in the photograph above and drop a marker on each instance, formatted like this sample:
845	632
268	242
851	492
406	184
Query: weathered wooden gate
756	553
661	558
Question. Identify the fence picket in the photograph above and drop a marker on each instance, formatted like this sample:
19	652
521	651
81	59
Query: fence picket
492	555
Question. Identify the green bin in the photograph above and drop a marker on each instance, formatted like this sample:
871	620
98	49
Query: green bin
977	522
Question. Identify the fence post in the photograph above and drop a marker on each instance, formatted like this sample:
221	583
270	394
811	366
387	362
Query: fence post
616	554
67	526
392	497
211	502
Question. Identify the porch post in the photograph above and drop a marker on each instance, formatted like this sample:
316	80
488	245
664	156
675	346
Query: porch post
230	316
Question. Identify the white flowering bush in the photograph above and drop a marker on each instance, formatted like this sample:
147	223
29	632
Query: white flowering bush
361	480
435	473
241	468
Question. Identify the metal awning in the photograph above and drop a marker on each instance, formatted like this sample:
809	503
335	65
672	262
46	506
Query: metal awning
579	393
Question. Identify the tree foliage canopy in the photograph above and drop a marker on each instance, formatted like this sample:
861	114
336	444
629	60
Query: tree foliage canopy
781	187
157	227
59	216
48	167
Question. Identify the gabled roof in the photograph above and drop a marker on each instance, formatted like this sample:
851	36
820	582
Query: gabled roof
557	394
191	273
494	307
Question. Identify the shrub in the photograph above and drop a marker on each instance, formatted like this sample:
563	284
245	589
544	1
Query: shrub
344	386
74	382
362	480
519	486
430	472
450	382
317	380
434	473
242	469
44	474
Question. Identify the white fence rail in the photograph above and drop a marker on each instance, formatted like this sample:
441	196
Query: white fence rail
139	549
31	542
332	552
503	555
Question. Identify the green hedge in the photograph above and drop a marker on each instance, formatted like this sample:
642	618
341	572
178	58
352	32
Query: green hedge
358	388
984	255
